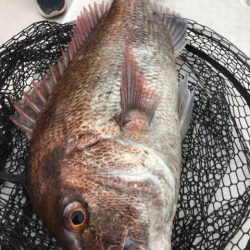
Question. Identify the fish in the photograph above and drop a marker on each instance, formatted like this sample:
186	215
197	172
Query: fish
105	125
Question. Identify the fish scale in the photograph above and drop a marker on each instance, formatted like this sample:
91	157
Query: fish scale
107	141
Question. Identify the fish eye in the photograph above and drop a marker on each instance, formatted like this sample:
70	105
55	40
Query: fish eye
75	216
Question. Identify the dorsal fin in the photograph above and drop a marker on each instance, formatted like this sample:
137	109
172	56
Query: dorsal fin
138	101
34	101
175	24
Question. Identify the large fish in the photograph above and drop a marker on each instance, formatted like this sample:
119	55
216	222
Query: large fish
106	125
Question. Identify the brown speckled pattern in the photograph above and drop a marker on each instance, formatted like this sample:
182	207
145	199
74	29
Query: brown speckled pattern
78	151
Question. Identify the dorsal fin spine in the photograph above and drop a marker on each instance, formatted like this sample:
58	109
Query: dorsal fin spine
60	67
32	104
22	112
98	14
85	22
65	58
53	73
73	48
47	85
87	19
38	92
78	39
101	8
70	51
23	127
93	14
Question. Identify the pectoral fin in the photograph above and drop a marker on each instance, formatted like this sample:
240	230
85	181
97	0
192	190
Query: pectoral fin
138	101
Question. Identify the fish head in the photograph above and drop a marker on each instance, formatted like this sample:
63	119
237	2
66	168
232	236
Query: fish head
112	195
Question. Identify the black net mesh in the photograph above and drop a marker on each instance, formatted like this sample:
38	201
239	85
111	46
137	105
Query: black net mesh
213	209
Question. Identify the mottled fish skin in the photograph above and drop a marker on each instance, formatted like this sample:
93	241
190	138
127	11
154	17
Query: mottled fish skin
127	182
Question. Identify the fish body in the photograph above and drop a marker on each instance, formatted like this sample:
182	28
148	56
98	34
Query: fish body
105	152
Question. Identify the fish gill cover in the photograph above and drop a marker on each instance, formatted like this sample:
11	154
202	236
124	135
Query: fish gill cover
214	205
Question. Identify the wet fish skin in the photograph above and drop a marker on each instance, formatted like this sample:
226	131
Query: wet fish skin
127	182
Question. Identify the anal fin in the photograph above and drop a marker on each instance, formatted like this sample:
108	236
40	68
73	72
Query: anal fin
185	105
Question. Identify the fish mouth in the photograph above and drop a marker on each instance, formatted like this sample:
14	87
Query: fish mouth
126	244
131	245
